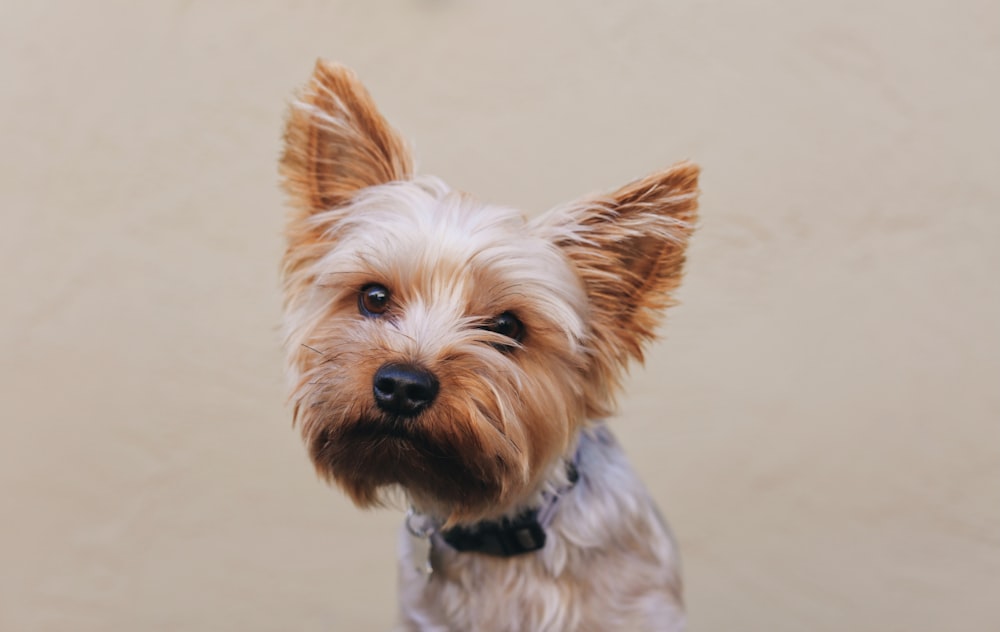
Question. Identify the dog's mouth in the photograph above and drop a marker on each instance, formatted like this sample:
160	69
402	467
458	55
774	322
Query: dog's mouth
388	427
378	452
379	445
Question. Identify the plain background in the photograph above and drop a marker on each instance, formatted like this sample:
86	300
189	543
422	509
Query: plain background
821	424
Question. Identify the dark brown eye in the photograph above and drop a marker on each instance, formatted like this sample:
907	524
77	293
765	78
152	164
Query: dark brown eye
507	324
373	301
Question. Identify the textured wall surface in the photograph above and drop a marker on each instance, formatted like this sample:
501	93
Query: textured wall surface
821	424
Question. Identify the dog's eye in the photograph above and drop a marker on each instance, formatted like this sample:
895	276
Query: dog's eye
508	325
373	300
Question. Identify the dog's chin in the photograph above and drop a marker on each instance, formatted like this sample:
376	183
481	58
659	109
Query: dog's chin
387	428
370	457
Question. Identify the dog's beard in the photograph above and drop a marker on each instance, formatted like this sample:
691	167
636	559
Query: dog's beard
480	449
428	456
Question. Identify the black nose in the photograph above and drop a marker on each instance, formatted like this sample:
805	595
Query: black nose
404	389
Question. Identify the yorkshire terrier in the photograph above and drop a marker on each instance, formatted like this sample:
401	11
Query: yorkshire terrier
466	355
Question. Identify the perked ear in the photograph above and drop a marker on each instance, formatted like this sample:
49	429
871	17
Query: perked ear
629	250
337	142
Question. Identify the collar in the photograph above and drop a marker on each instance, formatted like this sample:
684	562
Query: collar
507	537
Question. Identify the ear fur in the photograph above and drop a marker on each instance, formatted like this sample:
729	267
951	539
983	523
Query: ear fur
629	250
336	143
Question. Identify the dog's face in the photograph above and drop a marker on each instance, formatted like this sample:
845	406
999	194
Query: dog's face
445	346
438	347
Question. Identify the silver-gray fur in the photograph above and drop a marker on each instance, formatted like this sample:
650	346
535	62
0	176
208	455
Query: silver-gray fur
609	563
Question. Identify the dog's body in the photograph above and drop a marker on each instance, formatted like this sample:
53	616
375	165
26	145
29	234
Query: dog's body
466	355
608	564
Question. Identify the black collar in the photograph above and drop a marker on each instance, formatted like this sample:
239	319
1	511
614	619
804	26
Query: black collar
508	537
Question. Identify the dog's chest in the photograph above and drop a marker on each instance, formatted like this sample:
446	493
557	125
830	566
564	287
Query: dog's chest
609	564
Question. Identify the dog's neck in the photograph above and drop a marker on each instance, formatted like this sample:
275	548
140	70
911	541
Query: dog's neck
514	532
511	535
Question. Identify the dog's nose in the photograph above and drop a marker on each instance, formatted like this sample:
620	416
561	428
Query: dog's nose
404	389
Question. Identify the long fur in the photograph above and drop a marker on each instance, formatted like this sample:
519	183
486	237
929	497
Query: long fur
589	281
609	564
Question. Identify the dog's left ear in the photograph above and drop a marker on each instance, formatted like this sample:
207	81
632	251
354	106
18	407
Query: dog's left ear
629	251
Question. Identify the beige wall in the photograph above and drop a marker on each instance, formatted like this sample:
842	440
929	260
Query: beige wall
822	425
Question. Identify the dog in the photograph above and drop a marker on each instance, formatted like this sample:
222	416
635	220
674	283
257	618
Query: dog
463	357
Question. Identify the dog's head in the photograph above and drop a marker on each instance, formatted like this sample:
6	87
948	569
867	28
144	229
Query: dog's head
446	346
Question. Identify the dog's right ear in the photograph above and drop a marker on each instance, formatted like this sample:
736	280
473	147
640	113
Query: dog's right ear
337	143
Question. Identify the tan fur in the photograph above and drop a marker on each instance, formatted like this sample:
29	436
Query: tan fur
589	281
